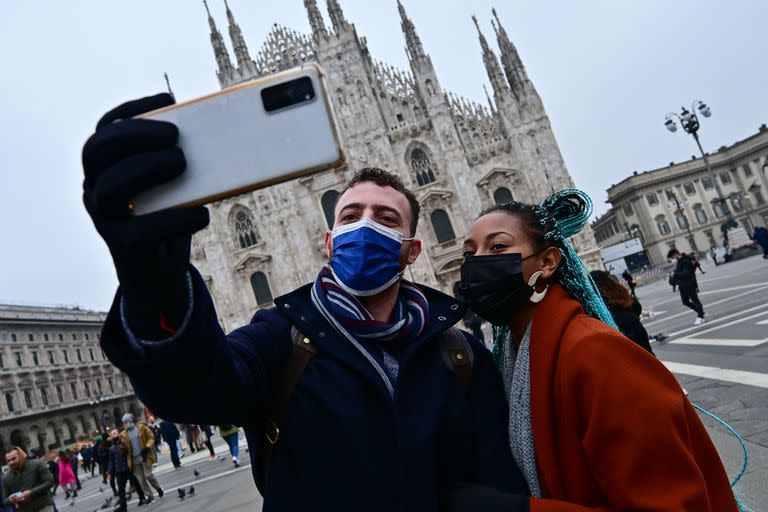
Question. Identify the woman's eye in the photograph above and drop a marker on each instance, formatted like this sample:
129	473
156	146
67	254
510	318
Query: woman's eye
467	254
498	246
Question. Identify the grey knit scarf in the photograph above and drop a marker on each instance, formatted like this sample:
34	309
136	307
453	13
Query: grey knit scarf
516	374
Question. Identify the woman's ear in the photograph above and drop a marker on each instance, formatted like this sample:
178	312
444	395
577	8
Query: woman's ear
550	260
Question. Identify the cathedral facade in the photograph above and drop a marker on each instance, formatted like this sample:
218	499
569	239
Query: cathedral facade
459	157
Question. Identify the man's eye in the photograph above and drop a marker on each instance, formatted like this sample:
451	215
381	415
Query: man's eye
348	217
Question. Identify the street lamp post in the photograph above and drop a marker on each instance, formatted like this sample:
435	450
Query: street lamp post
679	209
690	123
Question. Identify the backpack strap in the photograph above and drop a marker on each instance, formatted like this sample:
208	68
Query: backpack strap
303	350
458	356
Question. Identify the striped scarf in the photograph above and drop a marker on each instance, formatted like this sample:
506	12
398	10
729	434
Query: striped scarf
409	317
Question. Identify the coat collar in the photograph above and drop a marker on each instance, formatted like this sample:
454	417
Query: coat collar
550	322
297	307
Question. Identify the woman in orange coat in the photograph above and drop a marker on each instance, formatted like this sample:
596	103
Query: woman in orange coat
595	422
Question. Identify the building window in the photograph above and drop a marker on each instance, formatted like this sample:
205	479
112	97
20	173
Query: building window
98	386
60	394
261	289
710	238
79	356
670	194
442	226
9	401
682	222
663	225
27	399
689	188
50	357
758	197
707	183
19	361
725	178
90	353
111	385
86	337
61	337
628	208
73	389
45	337
66	357
701	215
31	337
244	231
718	208
422	167
74	336
35	360
747	170
44	395
2	362
736	203
502	195
652	199
87	386
13	337
328	202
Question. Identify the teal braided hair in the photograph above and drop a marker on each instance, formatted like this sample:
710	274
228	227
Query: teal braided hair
559	217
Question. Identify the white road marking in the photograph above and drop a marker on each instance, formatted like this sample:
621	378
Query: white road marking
720	319
733	288
762	322
719	342
711	372
708	305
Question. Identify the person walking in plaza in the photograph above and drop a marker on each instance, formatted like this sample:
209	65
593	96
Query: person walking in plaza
140	442
101	454
67	477
27	483
389	409
119	471
686	281
761	237
631	281
170	434
53	467
625	309
231	434
580	393
206	434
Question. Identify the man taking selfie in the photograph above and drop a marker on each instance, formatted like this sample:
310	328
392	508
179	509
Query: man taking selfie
354	393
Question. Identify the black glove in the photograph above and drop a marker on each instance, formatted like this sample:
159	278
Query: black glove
123	157
481	498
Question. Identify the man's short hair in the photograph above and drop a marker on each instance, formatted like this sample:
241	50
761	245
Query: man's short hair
386	179
672	253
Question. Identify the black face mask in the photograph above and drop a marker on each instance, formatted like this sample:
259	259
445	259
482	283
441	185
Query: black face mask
494	286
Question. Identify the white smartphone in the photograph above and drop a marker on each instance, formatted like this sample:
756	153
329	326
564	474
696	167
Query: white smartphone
249	136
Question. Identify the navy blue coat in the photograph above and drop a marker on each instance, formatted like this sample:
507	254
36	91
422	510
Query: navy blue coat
347	443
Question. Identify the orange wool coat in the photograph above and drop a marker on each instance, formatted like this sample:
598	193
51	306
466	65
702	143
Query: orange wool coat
612	428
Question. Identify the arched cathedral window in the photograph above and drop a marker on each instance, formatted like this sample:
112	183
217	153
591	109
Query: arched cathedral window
441	224
245	233
502	195
422	167
328	202
261	289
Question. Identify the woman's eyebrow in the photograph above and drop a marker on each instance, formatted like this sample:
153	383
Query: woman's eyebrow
496	233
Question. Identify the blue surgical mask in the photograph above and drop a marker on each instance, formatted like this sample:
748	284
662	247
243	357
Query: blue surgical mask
366	257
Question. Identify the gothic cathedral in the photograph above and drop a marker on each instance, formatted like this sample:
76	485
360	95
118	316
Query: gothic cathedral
457	156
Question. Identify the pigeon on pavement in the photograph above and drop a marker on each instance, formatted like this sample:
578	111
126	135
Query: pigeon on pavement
196	473
182	493
191	490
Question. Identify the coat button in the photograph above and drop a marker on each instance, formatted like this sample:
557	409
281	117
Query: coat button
441	318
321	334
306	341
287	306
454	307
303	318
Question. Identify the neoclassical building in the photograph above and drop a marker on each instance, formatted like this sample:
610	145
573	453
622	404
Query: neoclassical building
55	383
660	206
458	156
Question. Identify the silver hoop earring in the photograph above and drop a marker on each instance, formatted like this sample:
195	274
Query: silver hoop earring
537	297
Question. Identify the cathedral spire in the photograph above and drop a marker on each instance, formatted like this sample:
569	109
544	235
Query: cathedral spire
337	16
168	83
500	88
413	43
244	62
510	59
315	18
226	71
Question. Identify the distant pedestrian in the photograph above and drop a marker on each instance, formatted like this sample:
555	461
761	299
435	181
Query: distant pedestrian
74	462
624	308
67	477
205	435
761	237
231	434
141	454
27	483
118	469
101	453
631	281
170	435
53	467
686	281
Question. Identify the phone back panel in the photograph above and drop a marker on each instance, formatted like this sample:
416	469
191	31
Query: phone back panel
233	145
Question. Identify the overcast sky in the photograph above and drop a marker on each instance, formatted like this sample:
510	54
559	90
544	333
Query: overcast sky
608	71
